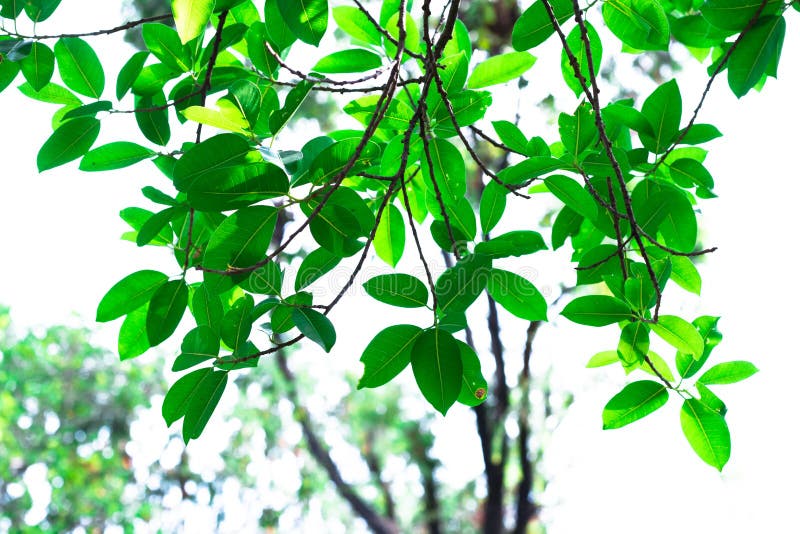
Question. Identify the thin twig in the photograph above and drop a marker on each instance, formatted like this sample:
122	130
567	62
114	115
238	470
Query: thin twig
123	27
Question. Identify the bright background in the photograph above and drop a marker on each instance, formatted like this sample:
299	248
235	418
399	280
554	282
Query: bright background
60	251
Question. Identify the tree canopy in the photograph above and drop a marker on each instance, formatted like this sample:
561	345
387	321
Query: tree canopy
422	157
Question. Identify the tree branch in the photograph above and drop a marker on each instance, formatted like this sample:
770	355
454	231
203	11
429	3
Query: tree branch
321	454
123	27
526	507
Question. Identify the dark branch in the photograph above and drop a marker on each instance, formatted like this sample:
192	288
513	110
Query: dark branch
526	507
321	454
123	27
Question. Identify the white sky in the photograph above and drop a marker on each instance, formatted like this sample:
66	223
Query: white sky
61	251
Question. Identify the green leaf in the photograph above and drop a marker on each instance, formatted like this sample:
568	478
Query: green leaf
398	289
236	324
453	77
129	294
266	280
166	45
152	120
307	19
695	31
662	109
412	42
191	17
177	399
700	133
388	354
576	44
296	96
226	117
597	310
628	116
223	173
88	110
281	319
707	433
79	66
356	24
680	334
500	69
449	171
157	227
332	160
318	263
511	135
597	262
634	402
492	206
259	54
8	73
640	24
246	97
710	399
685	274
474	387
264	307
436	362
158	197
167	307
207	308
346	61
602	359
152	79
132	341
534	26
341	222
69	142
634	343
578	131
14	49
468	108
758	48
687	365
40	10
390	236
54	94
201	404
733	15
527	170
315	326
38	66
199	345
138	218
11	9
692	172
114	156
240	241
517	295
573	195
516	243
276	31
661	207
462	220
728	373
458	287
129	72
389	8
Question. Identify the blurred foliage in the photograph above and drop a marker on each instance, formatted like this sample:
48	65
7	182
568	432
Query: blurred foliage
71	460
66	406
